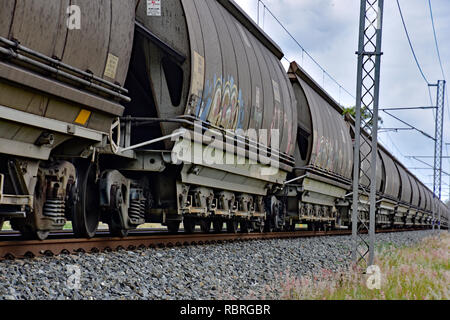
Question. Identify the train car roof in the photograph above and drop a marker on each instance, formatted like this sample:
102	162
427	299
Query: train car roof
248	23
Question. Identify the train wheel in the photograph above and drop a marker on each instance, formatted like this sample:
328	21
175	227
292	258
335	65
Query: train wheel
289	226
86	208
245	226
173	226
189	225
273	219
117	227
268	227
205	225
232	226
117	231
218	226
41	235
29	233
260	227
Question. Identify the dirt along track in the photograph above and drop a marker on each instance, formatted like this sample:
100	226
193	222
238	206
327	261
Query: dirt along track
16	249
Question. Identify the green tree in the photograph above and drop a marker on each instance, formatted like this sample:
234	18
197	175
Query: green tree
365	114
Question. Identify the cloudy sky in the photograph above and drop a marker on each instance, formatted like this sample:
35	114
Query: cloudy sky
328	30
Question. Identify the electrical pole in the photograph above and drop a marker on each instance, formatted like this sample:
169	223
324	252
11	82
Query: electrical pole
437	179
448	207
365	148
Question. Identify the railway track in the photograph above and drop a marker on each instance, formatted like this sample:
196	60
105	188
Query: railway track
15	249
14	235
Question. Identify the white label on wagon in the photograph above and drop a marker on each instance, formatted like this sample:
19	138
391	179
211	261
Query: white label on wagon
276	91
154	8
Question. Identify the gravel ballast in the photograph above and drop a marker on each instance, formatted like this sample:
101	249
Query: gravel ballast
239	270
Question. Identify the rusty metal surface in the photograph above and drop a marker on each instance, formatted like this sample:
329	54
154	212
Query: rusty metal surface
303	123
171	29
423	196
226	114
6	14
379	173
443	212
406	189
290	117
273	112
365	166
247	76
332	144
244	19
92	53
46	34
286	113
122	35
196	47
303	113
232	79
107	28
26	101
28	249
209	106
29	27
171	26
429	195
11	235
415	201
244	83
254	81
391	178
267	108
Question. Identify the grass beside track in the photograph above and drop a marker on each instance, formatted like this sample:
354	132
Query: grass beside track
419	272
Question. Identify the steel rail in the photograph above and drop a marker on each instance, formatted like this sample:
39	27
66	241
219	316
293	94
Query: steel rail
11	235
29	249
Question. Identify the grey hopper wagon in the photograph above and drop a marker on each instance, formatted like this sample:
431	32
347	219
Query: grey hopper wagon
323	155
205	65
60	91
206	59
319	189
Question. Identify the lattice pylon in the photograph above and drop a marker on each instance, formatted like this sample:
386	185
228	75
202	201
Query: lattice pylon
365	148
437	176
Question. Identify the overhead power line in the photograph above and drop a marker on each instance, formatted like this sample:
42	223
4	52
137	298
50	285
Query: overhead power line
341	87
435	39
409	125
410	44
438	54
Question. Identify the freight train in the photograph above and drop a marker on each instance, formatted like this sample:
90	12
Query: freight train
179	111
